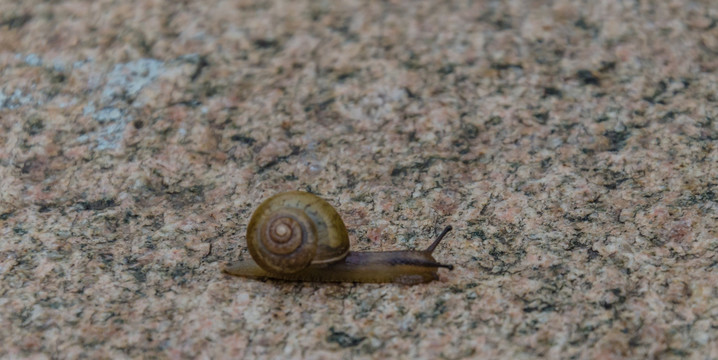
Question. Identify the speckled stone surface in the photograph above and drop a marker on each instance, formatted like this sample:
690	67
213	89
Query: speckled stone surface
572	144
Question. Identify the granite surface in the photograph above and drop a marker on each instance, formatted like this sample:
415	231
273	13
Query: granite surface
573	145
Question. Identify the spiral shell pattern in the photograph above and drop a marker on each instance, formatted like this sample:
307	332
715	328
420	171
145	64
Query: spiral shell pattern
290	231
287	241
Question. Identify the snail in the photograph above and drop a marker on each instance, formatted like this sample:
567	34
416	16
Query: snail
298	236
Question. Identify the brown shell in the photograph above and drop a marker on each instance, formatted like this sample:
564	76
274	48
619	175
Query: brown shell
292	230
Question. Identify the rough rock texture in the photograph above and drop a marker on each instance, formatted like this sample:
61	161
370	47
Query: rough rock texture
572	144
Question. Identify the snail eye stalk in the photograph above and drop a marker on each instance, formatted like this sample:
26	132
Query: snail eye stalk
436	242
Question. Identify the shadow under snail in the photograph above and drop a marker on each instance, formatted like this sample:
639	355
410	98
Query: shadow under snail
297	236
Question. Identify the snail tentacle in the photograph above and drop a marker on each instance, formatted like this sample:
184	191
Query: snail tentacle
298	236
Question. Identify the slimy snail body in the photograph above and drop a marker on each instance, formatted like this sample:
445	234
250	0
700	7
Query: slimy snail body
297	236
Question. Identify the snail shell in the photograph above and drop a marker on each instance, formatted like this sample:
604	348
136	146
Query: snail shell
297	236
291	231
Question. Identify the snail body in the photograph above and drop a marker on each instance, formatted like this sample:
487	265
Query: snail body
297	236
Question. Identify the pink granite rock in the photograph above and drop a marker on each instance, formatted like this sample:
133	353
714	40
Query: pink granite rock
572	145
